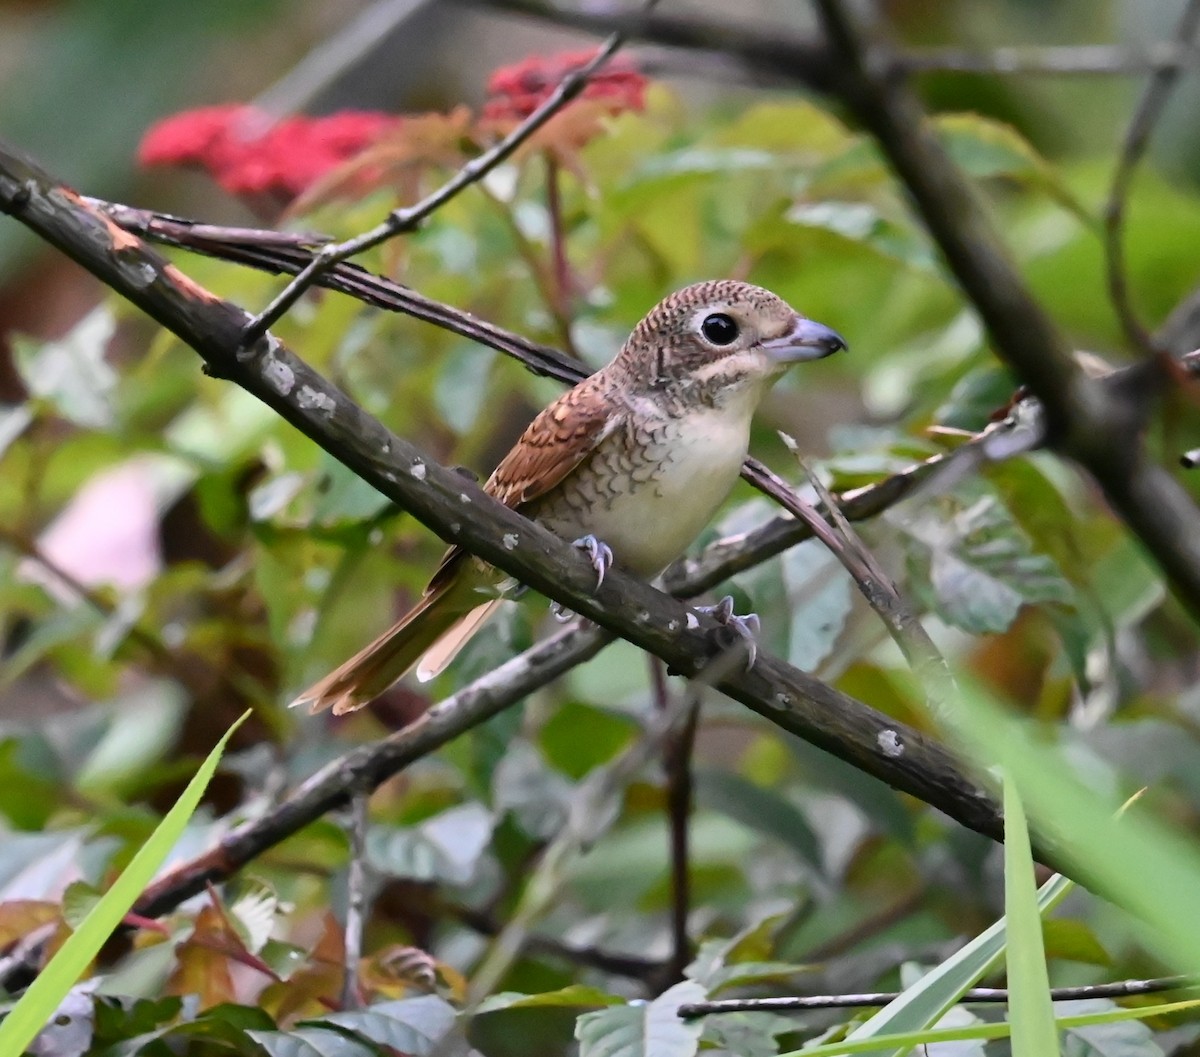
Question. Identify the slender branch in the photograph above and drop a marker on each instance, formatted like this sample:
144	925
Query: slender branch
443	500
1118	989
411	217
677	767
1137	138
1070	60
369	766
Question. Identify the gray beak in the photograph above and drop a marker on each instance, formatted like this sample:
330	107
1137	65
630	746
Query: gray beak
807	340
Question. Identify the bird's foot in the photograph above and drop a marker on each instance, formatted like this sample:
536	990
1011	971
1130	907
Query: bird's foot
599	554
744	629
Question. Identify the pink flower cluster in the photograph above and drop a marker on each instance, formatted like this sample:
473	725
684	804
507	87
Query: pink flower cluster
248	153
259	158
514	92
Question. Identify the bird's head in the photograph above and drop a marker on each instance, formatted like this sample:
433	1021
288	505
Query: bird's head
720	336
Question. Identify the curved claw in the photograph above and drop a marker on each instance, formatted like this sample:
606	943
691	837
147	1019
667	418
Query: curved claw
599	554
746	628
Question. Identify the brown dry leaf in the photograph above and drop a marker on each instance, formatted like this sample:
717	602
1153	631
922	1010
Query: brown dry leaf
21	916
203	961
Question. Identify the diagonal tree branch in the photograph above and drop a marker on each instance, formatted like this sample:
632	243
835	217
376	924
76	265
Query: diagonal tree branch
1098	424
462	513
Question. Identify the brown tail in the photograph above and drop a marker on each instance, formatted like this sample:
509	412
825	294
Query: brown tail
375	667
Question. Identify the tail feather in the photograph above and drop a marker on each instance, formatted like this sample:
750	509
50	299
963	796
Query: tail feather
381	663
437	658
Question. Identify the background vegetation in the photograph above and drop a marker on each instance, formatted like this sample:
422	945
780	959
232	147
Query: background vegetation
172	553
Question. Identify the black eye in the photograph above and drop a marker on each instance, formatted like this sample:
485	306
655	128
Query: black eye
719	328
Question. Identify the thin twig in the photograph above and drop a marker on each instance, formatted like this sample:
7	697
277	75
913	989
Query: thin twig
410	217
356	899
1119	989
677	767
1069	60
1137	138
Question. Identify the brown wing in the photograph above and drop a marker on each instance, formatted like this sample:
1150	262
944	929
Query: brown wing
554	443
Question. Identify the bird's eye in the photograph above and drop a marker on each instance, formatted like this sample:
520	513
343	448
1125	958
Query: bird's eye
719	328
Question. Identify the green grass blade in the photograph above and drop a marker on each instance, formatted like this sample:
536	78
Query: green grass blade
46	993
929	998
909	1040
1030	1011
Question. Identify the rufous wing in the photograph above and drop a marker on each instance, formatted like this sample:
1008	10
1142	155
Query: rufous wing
446	617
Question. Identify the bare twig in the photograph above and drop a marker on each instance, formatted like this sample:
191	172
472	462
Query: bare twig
677	768
1137	137
801	1003
356	899
1071	60
410	217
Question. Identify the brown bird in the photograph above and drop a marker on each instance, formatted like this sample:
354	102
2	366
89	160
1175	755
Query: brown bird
631	465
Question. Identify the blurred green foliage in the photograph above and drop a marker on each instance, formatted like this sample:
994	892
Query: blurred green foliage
172	553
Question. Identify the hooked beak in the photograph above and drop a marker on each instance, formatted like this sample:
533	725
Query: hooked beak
807	340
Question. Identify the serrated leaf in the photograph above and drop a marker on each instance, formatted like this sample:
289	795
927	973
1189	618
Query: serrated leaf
976	562
643	1029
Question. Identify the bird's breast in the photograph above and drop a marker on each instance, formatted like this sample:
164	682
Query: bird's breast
652	486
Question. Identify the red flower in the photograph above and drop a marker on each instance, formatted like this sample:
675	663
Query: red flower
516	91
248	153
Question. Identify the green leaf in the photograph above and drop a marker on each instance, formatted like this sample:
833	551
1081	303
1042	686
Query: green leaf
762	810
978	565
38	1003
643	1029
923	1004
820	596
312	1042
746	1034
1119	1038
573	995
72	373
446	847
1030	1010
863	222
906	1041
409	1025
988	148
